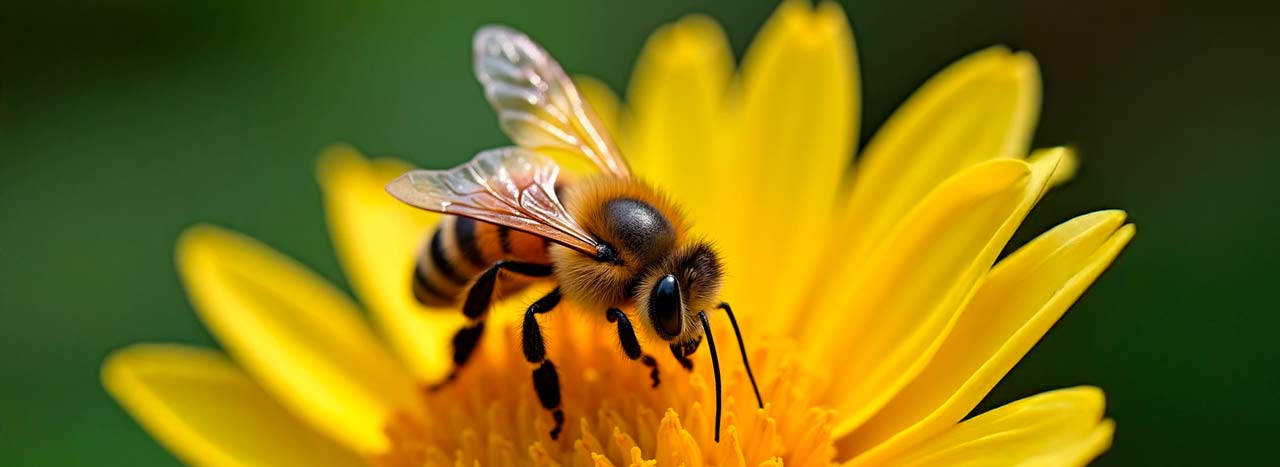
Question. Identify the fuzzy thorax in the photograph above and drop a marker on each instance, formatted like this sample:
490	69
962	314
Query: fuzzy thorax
649	233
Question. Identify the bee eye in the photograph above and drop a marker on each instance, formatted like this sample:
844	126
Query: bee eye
664	307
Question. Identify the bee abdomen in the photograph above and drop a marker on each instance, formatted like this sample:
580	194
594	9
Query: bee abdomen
460	249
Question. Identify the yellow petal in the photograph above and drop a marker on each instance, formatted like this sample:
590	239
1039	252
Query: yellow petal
893	318
1067	168
1058	428
675	120
377	239
797	127
296	335
208	412
980	108
1015	305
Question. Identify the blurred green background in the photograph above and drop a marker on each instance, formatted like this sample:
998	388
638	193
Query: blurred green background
123	122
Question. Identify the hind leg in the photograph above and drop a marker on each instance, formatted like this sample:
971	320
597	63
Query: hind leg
476	307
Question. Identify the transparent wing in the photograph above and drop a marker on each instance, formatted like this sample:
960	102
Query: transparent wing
537	105
509	186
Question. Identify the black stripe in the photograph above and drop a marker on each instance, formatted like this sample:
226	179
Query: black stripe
464	234
423	289
504	237
441	261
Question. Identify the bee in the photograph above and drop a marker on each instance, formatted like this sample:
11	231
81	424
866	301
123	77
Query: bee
613	243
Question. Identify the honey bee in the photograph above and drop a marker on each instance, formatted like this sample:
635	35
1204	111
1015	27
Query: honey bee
614	243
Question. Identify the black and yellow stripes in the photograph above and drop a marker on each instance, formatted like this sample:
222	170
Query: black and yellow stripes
443	271
464	234
460	249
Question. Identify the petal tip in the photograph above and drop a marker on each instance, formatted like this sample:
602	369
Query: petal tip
335	160
992	53
1062	160
1127	232
198	241
122	368
1022	62
194	239
692	39
114	374
1087	399
698	27
1113	217
813	23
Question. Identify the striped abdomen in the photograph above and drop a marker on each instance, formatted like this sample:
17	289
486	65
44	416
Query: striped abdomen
462	248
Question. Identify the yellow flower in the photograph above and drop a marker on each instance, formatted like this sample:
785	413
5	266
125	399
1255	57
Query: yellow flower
874	310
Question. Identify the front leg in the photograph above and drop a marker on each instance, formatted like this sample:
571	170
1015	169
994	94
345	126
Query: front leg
682	351
630	344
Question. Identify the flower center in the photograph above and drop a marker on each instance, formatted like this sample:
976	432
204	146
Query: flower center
614	416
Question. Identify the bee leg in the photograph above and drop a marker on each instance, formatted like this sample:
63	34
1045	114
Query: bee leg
479	297
630	344
464	344
535	350
546	381
652	363
682	352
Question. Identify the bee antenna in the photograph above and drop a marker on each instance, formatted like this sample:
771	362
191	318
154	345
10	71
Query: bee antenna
743	348
715	365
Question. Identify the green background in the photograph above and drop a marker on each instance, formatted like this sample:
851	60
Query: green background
121	123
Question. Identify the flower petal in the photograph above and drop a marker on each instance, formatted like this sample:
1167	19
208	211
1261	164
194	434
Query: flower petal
377	240
299	337
208	412
1057	428
893	318
795	137
980	108
1015	305
675	124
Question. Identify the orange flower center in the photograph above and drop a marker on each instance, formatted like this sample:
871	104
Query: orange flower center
491	416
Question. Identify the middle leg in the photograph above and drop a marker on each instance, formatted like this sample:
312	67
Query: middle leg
546	381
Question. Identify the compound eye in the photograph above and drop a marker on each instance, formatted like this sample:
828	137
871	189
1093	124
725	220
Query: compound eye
664	307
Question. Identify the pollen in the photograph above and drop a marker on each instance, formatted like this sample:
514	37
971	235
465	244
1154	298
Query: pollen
615	417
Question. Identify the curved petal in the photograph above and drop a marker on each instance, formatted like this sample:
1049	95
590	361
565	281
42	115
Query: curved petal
208	412
377	240
1015	305
299	337
980	108
797	128
675	123
892	320
1057	428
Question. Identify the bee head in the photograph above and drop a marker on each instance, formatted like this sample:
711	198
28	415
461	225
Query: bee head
670	295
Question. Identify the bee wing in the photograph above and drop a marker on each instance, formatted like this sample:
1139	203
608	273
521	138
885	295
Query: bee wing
537	105
510	186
